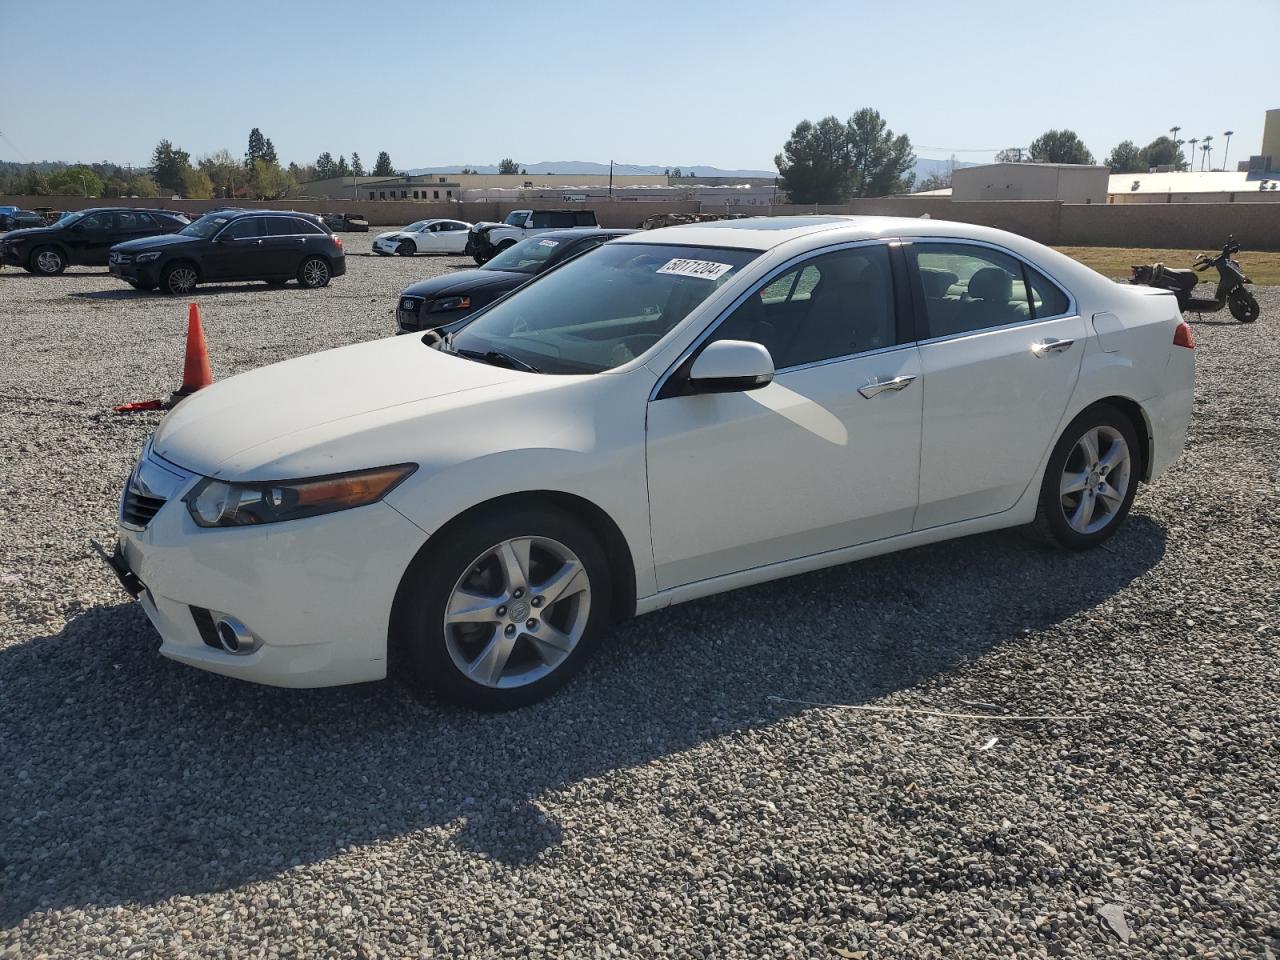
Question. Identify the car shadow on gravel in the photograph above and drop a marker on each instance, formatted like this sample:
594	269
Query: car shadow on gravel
133	779
126	292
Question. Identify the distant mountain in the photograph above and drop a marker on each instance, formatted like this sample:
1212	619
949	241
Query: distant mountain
587	166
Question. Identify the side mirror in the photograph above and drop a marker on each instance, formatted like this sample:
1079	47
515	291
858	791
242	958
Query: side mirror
731	366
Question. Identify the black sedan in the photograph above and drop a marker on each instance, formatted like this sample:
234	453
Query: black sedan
20	220
84	238
446	300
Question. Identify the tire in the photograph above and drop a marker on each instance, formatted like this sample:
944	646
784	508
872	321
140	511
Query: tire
500	613
506	245
1243	305
179	278
314	273
406	248
48	261
480	261
1078	472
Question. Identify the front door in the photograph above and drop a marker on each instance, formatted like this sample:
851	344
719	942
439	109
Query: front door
91	238
1000	355
234	253
824	457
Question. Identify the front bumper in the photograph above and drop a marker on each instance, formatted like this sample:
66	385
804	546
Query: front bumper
10	253
385	245
145	273
317	593
478	245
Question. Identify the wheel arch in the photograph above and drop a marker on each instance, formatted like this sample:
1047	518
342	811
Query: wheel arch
1142	427
191	262
617	551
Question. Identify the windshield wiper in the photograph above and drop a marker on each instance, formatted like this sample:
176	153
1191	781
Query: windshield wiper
498	359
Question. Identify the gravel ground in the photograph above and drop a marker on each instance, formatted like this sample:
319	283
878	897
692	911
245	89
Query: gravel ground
664	804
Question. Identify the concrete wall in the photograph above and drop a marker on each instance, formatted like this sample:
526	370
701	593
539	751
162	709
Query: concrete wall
1069	183
1158	225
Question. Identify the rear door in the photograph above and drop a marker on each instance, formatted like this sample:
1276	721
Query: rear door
1000	355
287	243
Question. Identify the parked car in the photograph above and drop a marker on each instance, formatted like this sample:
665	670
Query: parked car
20	220
670	415
346	222
84	237
447	300
487	239
424	236
271	245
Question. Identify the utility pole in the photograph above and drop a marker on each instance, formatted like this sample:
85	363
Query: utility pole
1227	134
610	179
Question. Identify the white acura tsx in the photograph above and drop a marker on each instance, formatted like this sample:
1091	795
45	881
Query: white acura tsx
674	414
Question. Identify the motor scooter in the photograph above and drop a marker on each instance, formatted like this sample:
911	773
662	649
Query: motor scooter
1231	291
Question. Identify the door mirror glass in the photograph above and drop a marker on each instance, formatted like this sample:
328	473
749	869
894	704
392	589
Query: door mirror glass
731	366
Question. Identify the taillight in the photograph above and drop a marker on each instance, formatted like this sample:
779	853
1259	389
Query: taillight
337	240
1183	336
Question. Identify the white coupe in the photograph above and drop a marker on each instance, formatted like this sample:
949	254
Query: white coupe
677	413
424	236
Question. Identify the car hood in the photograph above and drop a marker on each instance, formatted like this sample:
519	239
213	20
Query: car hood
465	281
152	243
26	232
393	235
305	416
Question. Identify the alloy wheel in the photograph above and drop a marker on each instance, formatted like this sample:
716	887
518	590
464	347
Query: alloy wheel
315	273
517	612
182	280
1095	480
49	261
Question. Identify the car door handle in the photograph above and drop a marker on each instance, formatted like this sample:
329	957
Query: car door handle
1042	348
877	387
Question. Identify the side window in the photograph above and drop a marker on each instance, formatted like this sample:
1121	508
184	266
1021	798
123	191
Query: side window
97	221
968	288
583	218
541	219
245	229
289	227
125	221
1046	299
832	306
145	221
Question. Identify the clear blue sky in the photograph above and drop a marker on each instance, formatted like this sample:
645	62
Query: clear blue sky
669	83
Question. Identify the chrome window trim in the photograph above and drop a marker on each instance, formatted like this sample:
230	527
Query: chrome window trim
763	282
1071	311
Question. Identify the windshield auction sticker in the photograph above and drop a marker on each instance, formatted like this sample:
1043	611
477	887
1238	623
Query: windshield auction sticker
548	243
705	269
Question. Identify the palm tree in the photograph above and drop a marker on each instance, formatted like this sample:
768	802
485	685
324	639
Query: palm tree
1227	134
1193	141
1206	146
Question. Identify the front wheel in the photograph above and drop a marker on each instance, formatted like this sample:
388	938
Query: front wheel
502	612
314	273
1243	305
179	279
1090	481
48	261
406	248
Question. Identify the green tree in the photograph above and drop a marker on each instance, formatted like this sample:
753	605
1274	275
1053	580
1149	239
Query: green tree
881	162
1011	155
35	184
342	170
1125	157
196	184
224	172
78	181
816	164
468	171
143	186
508	166
1059	146
676	172
357	168
269	182
325	167
1160	152
260	148
382	166
167	164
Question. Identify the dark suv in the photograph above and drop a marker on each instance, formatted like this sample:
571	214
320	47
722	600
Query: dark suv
271	245
84	238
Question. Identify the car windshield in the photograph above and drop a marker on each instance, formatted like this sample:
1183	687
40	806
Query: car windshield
416	226
517	219
527	256
205	227
68	218
599	310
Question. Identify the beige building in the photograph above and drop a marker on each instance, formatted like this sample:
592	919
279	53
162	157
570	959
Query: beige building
1068	182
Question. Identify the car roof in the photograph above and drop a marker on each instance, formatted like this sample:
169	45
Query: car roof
572	233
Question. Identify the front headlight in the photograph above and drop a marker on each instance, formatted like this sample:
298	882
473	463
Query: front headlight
448	303
216	503
147	257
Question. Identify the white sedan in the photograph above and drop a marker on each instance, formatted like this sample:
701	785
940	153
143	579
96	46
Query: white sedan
677	413
424	236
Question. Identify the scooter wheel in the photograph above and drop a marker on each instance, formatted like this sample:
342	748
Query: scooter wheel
1243	306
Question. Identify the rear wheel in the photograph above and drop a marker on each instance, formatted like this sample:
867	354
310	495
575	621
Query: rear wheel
314	272
48	261
1090	481
179	279
1243	305
503	611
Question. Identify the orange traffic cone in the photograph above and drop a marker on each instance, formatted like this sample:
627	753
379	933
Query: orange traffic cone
196	372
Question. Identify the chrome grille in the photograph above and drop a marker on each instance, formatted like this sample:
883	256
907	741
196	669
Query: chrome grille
138	509
152	484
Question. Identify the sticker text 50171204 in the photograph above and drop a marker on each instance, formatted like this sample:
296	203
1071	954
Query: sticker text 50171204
704	269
